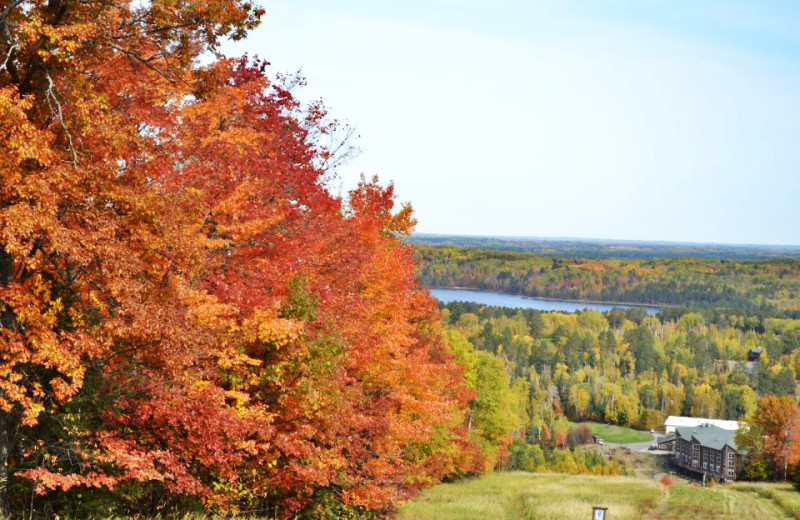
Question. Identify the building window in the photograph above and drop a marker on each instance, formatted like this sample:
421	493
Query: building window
731	455
705	465
694	463
730	472
731	463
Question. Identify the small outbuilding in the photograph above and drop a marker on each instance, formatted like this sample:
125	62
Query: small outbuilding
666	443
754	354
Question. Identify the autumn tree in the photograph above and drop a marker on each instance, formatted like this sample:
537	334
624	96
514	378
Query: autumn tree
88	92
187	311
771	438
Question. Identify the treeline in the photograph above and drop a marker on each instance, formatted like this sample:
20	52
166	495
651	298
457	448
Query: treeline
768	285
625	367
599	248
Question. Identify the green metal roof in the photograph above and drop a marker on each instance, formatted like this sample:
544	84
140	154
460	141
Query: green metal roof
670	437
709	436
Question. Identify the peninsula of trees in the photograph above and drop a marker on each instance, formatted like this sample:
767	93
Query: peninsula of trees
768	285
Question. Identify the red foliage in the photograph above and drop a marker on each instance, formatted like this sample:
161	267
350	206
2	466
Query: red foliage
251	337
778	420
580	434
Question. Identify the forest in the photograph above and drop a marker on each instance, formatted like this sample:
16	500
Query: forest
624	367
770	285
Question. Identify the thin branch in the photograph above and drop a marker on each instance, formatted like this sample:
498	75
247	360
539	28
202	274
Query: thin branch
8	63
52	100
145	61
9	56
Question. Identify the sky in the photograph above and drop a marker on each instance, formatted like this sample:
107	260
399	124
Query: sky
642	120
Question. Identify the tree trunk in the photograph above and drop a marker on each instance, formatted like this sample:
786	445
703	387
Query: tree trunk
5	425
7	321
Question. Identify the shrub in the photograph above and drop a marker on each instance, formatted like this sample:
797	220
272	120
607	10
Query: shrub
580	434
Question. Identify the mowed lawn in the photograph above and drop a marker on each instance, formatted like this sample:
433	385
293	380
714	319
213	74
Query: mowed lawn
617	434
521	496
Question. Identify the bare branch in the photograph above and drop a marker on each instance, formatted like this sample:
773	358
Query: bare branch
8	56
55	105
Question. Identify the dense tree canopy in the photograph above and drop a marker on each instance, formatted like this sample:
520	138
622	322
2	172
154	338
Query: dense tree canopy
188	316
626	368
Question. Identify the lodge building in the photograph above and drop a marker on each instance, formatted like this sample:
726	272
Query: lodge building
705	451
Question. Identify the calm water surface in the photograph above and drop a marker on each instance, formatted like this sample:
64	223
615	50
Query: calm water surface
522	302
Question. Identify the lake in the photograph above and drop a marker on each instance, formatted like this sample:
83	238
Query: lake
524	302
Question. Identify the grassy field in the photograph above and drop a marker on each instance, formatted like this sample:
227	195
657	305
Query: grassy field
523	496
511	496
617	434
782	494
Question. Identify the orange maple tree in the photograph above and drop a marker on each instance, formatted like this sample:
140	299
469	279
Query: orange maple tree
186	310
776	424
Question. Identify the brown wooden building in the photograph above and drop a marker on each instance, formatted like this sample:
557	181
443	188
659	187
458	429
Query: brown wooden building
666	443
706	450
754	354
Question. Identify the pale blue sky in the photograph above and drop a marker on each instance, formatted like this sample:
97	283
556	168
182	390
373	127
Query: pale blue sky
645	120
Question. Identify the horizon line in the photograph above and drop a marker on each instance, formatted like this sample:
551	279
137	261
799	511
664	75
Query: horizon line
611	240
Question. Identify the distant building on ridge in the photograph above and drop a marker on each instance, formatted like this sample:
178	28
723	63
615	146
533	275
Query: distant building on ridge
754	354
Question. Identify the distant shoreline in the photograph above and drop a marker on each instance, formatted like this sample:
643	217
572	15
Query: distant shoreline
420	237
627	304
